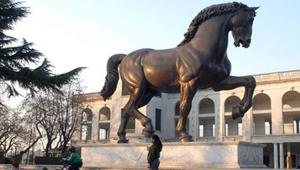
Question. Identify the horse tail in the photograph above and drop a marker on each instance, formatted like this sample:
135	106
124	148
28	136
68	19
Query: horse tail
112	76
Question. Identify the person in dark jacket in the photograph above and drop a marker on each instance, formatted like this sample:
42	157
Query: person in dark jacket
154	153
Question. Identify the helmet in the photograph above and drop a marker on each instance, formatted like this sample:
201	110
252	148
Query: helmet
71	148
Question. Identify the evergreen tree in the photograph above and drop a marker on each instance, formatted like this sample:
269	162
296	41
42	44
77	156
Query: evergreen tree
14	59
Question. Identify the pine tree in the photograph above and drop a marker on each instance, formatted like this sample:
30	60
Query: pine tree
14	59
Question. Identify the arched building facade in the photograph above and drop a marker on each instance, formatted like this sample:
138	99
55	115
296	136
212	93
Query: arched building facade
274	119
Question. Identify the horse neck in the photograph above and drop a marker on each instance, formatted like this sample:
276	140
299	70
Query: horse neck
211	38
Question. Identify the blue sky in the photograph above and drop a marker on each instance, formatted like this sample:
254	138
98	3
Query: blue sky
74	33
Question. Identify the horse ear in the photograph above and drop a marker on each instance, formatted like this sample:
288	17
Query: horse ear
254	8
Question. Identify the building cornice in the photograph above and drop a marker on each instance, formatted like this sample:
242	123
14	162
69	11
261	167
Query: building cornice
89	97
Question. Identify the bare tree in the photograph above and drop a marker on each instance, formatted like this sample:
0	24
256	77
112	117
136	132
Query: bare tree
43	109
17	133
58	115
29	136
70	113
9	130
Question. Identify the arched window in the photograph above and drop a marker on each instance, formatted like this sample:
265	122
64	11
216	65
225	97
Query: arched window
291	112
177	105
86	124
206	106
261	102
104	114
87	115
232	127
104	124
231	102
262	124
291	99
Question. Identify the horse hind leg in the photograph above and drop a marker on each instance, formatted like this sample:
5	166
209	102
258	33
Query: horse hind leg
124	120
137	85
130	111
144	100
127	112
139	100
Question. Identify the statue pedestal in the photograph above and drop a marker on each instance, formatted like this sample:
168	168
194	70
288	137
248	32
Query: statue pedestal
192	155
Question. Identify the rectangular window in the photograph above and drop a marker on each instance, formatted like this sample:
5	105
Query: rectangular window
158	119
296	126
102	134
83	132
201	130
240	129
267	128
226	129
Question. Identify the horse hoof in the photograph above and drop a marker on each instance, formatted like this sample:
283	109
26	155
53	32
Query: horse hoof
123	141
148	130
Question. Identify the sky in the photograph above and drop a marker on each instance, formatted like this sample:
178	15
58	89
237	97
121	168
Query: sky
77	33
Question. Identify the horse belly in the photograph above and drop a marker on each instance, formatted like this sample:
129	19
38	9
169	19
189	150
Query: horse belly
163	78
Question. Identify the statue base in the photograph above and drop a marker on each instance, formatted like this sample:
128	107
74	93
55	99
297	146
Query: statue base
192	155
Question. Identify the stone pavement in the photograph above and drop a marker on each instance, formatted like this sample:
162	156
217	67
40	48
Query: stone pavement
56	167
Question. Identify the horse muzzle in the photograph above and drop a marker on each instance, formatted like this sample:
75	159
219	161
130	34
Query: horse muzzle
245	43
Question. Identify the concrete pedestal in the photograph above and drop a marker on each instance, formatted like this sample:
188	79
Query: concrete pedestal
192	155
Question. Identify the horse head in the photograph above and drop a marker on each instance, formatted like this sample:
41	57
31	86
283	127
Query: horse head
241	26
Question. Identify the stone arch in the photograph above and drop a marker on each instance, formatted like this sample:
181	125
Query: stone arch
86	124
291	99
262	117
230	102
87	115
261	101
232	127
206	106
104	123
104	114
291	112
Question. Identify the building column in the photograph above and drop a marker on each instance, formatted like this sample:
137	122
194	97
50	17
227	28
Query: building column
95	124
194	125
221	119
217	121
275	155
247	125
281	155
277	116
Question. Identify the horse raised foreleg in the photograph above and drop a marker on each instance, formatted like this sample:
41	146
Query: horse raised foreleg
233	82
187	93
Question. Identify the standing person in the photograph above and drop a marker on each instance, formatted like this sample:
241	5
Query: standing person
154	153
74	160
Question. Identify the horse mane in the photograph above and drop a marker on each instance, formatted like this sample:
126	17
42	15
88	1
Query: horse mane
207	13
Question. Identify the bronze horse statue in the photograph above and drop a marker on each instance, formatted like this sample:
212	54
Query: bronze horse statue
200	61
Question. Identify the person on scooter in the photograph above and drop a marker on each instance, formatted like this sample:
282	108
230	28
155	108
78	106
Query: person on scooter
74	160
